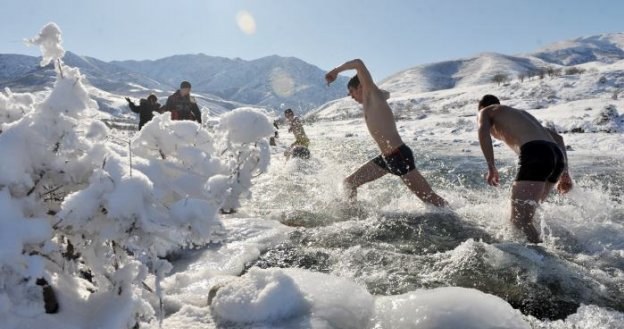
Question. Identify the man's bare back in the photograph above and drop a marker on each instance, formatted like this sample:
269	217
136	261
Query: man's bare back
514	127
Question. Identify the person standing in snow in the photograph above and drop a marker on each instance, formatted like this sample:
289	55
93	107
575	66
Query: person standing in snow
146	108
543	160
182	105
396	157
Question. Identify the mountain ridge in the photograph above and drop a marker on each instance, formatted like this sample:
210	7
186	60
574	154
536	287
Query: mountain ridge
278	82
271	81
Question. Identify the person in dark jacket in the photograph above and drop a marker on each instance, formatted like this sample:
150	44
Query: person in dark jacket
182	105
145	109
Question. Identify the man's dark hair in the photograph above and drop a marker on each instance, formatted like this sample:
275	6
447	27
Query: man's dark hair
288	111
354	82
185	84
488	100
152	97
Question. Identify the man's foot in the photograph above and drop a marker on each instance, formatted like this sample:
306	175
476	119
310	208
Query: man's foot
528	229
532	235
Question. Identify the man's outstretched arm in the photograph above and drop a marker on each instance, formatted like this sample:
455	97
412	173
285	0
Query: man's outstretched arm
366	80
133	107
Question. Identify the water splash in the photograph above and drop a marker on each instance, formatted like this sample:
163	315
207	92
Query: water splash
393	244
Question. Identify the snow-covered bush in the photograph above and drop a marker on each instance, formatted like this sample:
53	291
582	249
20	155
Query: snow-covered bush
607	120
96	216
607	115
13	106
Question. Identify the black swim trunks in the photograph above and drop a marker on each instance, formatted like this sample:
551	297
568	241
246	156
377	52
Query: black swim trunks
540	161
399	162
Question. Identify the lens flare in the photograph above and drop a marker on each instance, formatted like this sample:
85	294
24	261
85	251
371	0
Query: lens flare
246	22
282	83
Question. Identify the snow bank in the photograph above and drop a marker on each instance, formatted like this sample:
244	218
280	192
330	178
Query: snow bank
451	307
277	295
261	295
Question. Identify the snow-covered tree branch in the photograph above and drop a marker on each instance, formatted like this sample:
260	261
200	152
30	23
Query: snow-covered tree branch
77	212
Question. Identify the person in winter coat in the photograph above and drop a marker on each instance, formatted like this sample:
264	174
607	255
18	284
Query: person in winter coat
145	109
182	105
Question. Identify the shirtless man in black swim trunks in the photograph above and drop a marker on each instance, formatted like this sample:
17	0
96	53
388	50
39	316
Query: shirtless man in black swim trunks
543	159
396	158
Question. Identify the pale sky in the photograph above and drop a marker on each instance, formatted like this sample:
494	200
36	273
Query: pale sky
388	35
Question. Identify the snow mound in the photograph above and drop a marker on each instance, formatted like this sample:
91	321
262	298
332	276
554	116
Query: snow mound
282	296
246	124
260	296
276	295
451	307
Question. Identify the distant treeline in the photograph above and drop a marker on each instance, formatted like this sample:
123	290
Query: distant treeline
540	73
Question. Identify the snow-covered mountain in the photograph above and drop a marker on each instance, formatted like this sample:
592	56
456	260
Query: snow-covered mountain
23	73
221	82
111	77
457	85
20	72
268	81
459	73
13	65
604	48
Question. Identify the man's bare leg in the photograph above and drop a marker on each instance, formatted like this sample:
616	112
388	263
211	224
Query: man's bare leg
365	174
419	185
525	197
548	186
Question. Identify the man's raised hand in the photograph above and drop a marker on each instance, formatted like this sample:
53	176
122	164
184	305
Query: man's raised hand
331	76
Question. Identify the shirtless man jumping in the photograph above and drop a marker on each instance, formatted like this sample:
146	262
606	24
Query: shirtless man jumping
543	159
396	158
